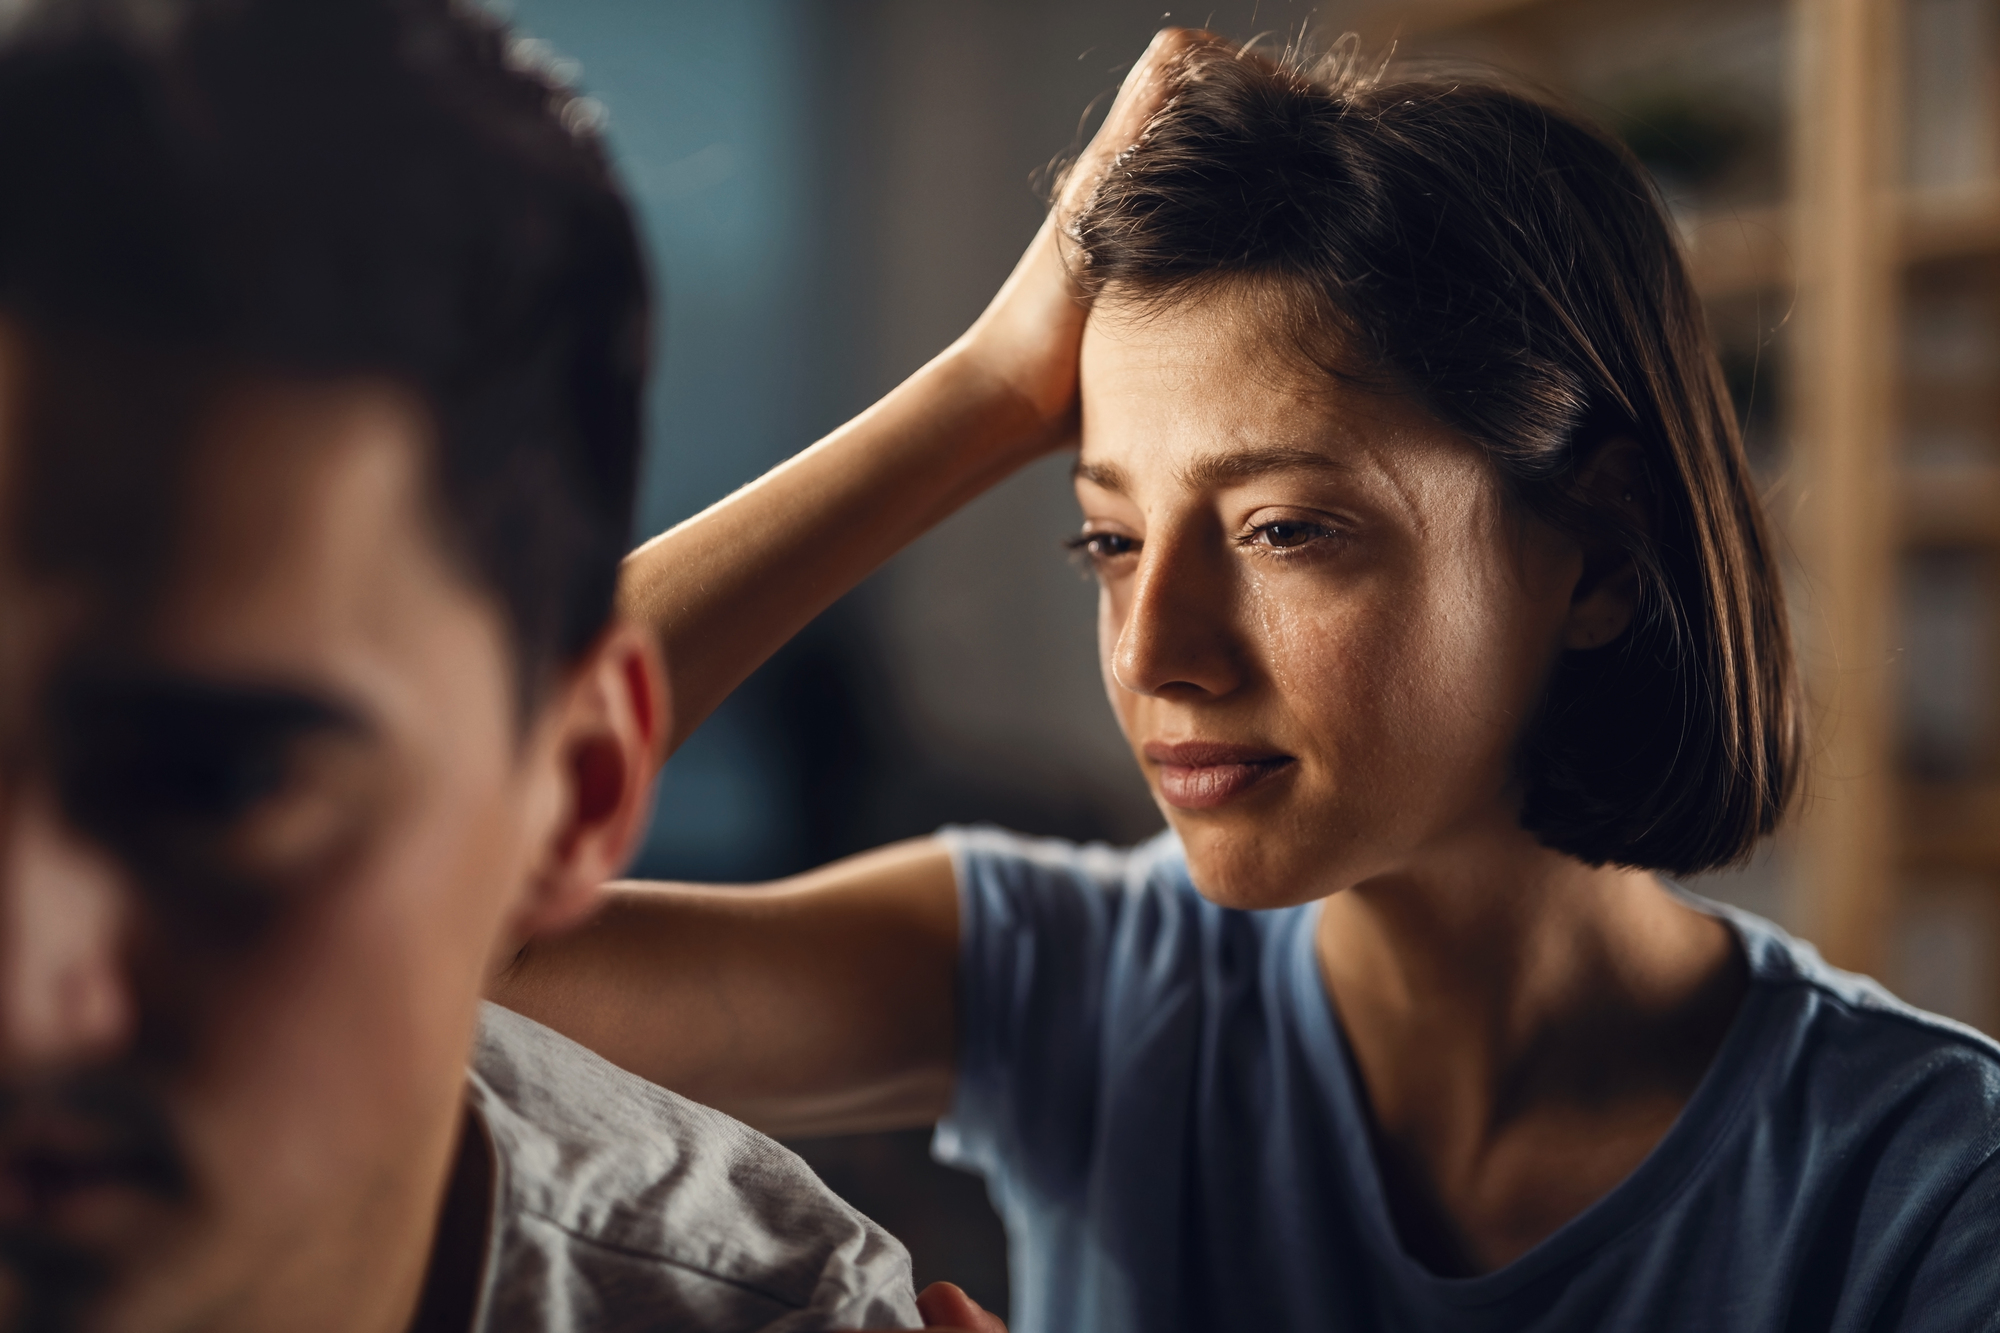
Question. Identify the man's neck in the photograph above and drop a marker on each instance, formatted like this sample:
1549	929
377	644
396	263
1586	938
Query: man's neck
1525	1028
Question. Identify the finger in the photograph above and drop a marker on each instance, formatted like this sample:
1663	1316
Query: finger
944	1305
1148	87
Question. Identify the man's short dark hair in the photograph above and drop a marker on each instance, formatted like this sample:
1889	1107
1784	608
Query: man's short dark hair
218	188
1511	266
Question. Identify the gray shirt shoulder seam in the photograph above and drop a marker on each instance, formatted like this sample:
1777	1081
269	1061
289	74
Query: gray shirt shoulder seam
638	1252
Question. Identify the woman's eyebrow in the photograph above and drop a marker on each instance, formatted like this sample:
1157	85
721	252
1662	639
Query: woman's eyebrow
1106	476
1241	465
1216	469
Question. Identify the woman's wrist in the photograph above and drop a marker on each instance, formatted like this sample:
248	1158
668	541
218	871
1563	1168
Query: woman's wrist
993	418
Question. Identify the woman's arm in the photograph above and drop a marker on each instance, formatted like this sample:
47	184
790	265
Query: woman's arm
726	588
816	1005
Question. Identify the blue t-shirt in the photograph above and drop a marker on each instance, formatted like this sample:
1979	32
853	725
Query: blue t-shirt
1155	1089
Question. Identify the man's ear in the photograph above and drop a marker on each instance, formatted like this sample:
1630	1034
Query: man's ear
1613	483
608	730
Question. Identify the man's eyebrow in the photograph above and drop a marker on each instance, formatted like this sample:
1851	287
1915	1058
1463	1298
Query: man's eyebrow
1241	465
196	703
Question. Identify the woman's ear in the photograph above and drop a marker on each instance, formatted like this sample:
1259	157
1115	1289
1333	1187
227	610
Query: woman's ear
608	732
1611	482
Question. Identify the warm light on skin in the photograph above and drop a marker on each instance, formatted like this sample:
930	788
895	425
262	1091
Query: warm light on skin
1325	573
313	1077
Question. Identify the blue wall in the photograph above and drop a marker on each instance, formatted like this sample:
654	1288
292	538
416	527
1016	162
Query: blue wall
708	120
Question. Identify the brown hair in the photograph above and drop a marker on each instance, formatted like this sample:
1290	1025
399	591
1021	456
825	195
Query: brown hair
1510	264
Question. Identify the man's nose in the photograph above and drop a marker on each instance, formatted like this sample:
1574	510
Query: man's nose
1177	637
65	909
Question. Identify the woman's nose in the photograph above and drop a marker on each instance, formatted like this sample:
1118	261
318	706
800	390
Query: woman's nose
1177	636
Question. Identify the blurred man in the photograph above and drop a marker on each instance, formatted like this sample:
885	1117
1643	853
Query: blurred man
322	336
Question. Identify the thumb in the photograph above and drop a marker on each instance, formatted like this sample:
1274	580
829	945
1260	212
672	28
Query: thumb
945	1306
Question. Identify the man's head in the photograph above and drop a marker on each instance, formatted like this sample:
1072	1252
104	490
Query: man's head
322	339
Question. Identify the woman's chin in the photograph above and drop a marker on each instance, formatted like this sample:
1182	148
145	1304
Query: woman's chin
1240	869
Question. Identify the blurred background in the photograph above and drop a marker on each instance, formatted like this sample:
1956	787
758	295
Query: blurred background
832	189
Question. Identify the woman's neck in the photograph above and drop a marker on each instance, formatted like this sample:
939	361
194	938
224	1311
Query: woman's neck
1526	1029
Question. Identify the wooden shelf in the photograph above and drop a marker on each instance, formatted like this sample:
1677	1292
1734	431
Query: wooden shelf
1951	507
1946	511
1736	251
1952	827
1951	224
1951	400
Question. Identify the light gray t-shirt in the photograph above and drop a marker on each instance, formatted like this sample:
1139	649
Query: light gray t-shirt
619	1206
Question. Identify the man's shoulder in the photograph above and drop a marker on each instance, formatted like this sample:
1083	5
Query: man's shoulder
620	1204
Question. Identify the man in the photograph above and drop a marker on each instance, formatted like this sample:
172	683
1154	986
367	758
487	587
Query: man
322	337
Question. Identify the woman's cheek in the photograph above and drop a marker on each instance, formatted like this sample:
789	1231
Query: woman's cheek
1304	639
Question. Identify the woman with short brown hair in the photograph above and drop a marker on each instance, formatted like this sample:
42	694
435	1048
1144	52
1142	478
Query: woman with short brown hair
1441	613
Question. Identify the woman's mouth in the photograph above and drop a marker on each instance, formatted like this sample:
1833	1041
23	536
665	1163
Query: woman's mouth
1200	775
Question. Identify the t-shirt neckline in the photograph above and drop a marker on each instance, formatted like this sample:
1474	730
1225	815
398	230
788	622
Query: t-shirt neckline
1673	1166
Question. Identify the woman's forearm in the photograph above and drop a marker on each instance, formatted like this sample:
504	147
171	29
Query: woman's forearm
819	1005
728	587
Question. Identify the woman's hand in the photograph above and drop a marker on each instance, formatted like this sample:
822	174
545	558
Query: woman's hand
945	1306
1028	337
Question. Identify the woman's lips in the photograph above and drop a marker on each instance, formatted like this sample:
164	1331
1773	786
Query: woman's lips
1200	775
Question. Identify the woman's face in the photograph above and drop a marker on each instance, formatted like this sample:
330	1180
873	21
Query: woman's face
1321	625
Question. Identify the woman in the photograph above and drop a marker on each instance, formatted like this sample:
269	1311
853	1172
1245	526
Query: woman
1442	617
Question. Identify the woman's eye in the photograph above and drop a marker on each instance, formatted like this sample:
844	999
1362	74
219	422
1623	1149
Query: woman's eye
1098	547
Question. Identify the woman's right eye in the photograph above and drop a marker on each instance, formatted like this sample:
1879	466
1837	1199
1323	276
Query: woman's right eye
1095	549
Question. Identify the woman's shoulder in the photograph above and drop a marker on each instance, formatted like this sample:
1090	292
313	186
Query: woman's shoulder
1093	879
987	849
1855	1055
1127	915
1847	1000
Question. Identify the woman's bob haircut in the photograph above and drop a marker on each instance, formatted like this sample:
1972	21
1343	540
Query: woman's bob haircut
1510	265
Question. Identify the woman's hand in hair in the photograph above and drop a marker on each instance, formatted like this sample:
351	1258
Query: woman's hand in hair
1028	337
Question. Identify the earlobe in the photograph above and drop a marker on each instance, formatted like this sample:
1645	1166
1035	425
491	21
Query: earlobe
609	732
1603	610
1612	482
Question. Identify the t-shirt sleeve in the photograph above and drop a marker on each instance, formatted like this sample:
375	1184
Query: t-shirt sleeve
1037	928
1955	1283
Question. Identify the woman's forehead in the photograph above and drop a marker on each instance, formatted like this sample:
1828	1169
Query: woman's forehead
1201	396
